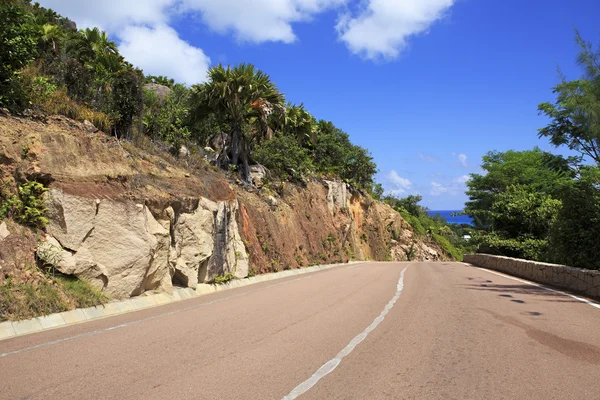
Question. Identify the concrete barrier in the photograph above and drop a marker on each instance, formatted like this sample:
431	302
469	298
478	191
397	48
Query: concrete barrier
584	281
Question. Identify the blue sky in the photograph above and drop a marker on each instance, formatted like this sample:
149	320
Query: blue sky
428	86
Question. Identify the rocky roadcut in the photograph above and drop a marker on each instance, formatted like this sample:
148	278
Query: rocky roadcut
130	220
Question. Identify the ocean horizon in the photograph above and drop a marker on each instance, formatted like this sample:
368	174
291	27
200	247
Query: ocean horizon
447	214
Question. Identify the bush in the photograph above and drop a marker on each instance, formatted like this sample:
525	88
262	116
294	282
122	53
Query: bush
283	156
27	207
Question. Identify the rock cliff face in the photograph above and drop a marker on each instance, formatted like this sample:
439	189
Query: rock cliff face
131	220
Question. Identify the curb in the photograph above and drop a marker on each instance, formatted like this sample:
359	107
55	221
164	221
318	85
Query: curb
11	329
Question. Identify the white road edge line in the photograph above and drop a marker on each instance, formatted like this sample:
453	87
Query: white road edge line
586	301
332	364
139	321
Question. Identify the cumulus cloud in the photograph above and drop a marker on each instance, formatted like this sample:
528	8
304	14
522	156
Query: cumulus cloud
111	15
396	185
462	158
462	179
160	51
145	38
382	28
437	189
258	21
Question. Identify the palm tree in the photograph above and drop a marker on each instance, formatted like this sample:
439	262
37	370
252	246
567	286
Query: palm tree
301	124
244	98
51	34
91	44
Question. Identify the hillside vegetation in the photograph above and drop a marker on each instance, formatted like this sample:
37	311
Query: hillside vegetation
540	206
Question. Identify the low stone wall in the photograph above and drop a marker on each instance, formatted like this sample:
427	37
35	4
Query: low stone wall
586	282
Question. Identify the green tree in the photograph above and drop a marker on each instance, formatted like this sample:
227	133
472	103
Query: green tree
575	115
573	238
539	171
51	37
18	39
515	203
243	97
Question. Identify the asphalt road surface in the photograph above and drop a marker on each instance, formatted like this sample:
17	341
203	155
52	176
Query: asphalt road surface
365	331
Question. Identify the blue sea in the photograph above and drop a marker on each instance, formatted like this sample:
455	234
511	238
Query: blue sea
447	214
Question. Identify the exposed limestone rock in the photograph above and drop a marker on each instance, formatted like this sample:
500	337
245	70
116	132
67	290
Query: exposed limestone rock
208	244
88	126
118	243
4	232
337	195
257	175
229	252
193	238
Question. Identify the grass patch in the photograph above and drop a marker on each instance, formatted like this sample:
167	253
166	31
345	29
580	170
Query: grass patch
20	301
81	292
29	300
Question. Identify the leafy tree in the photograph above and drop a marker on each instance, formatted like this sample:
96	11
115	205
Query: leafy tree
409	204
169	120
18	38
515	203
51	37
284	156
537	170
575	116
126	93
242	97
573	238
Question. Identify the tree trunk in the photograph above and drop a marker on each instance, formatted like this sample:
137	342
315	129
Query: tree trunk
235	147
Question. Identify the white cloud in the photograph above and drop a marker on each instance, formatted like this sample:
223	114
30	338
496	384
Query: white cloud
428	158
141	27
462	179
398	180
438	189
111	15
260	20
396	185
160	51
382	28
462	158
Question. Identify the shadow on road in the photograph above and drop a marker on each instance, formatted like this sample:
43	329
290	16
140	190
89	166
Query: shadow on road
509	291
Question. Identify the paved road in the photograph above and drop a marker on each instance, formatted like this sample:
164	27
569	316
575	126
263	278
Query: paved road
368	331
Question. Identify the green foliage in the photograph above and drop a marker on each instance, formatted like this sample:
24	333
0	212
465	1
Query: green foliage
448	247
284	156
18	39
575	115
27	206
168	121
25	300
534	170
335	155
573	238
244	99
221	280
80	292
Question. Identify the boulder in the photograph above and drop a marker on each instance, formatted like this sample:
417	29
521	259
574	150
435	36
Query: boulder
4	232
161	91
118	246
258	173
88	126
184	152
